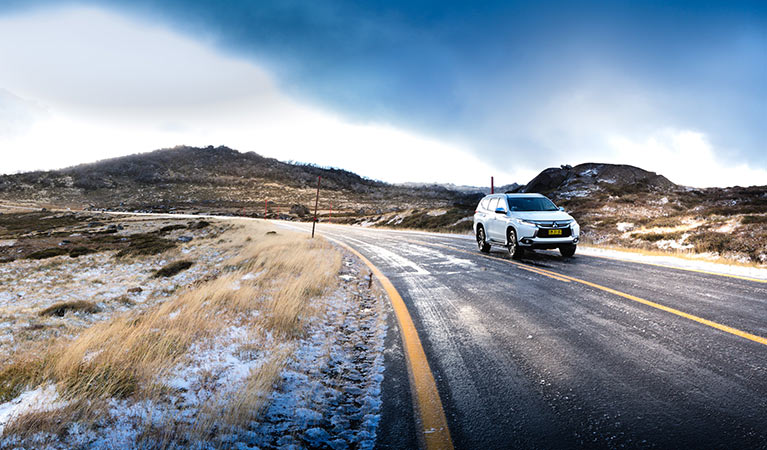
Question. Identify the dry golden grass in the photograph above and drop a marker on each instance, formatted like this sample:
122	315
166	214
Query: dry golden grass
129	355
29	368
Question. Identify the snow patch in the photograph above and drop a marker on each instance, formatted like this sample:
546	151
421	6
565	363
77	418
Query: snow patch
624	226
44	398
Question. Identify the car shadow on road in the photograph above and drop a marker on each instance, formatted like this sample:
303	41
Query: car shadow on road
539	258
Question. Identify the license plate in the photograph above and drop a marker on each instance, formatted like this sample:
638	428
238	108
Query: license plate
555	232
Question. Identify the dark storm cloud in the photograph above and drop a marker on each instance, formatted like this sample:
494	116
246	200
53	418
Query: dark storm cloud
537	81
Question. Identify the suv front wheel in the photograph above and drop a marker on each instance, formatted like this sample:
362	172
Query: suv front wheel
482	244
515	251
567	250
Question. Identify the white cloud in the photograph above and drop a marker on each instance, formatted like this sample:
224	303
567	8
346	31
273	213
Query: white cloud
112	86
685	157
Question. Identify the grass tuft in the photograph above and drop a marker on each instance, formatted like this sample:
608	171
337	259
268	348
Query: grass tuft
27	371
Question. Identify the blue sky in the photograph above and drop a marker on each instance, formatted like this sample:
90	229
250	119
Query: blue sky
463	90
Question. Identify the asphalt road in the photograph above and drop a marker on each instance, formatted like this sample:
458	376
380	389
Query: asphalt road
525	359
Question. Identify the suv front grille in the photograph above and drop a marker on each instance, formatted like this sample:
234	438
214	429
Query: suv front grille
550	224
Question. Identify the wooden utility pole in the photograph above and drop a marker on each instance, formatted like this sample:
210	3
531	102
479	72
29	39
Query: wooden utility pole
316	204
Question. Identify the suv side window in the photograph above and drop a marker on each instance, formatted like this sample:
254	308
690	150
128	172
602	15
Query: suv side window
485	203
502	204
493	204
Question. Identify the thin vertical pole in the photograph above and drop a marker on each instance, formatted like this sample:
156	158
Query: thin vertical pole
330	217
316	204
492	185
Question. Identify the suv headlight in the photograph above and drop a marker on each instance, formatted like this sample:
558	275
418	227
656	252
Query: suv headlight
528	222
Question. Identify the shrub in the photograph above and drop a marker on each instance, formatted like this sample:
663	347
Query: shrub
711	241
169	228
655	237
753	219
80	251
172	269
48	253
60	309
198	225
145	244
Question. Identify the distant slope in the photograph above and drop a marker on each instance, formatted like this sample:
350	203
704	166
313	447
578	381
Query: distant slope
217	178
589	177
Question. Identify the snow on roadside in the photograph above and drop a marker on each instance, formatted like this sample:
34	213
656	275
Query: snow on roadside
330	394
327	396
681	263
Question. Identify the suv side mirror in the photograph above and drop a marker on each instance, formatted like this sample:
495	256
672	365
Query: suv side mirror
562	208
500	211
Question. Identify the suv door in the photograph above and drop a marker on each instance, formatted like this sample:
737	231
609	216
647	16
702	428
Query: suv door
482	214
497	225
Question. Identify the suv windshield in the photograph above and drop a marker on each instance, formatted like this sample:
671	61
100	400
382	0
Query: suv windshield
530	204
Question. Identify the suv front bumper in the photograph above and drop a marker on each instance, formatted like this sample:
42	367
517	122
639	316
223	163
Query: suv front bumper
535	242
529	237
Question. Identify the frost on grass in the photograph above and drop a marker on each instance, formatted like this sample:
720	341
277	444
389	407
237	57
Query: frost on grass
42	299
254	370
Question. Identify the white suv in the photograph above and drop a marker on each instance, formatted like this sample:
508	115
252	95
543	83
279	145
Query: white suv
524	221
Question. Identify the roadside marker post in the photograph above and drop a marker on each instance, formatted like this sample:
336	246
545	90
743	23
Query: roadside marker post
316	204
266	207
492	185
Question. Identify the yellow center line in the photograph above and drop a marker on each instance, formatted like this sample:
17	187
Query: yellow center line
710	323
435	432
539	272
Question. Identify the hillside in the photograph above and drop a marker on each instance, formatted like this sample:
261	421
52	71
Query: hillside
617	205
218	180
629	207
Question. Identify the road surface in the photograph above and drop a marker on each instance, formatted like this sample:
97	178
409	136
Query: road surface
583	352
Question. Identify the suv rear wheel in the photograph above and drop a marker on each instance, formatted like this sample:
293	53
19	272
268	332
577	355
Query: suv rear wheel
567	250
515	251
482	244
